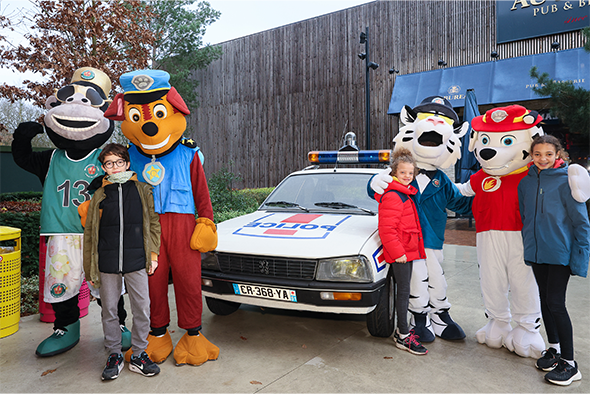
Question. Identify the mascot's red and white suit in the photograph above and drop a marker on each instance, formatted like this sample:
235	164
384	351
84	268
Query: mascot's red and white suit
153	118
501	140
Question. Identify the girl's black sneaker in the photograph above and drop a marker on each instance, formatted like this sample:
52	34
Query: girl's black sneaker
564	374
549	360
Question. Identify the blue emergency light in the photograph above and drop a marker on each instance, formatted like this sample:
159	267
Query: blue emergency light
350	157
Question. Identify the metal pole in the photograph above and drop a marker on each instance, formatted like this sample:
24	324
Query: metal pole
367	92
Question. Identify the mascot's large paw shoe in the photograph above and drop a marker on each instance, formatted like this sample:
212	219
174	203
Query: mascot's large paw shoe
194	350
125	338
494	333
445	327
420	323
60	341
158	349
525	343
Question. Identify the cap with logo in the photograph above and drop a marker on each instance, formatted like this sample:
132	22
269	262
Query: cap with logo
502	119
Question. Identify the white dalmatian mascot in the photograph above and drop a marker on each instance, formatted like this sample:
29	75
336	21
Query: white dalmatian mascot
432	132
501	140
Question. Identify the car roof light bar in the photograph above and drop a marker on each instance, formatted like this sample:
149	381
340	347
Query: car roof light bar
349	157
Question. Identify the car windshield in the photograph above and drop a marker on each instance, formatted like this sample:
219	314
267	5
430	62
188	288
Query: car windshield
327	192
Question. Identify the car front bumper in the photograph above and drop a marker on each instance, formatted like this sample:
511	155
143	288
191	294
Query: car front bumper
308	293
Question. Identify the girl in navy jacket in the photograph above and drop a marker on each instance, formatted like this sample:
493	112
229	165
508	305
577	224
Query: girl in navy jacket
556	237
399	229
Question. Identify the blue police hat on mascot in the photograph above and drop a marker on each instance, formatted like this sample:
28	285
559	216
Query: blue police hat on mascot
145	81
438	105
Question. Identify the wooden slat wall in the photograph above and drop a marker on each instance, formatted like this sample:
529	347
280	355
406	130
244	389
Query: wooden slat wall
275	95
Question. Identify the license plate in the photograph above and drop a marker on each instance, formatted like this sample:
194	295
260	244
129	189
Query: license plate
272	293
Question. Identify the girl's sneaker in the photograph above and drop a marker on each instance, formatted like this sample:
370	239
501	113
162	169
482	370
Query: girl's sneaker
409	343
564	374
549	360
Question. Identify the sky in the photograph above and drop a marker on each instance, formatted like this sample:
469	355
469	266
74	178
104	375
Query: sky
239	18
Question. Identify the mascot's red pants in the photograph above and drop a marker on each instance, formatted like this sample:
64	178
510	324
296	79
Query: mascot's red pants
176	254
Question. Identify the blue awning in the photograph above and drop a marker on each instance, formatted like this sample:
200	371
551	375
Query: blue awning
496	82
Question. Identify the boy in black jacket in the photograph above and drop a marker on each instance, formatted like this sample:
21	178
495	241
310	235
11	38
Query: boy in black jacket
122	238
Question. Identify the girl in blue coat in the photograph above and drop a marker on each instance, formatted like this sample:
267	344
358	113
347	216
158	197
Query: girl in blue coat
556	237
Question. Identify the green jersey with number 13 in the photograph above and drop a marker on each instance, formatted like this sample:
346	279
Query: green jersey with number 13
65	188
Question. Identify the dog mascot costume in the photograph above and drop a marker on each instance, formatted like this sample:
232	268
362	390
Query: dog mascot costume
75	123
153	118
432	132
501	140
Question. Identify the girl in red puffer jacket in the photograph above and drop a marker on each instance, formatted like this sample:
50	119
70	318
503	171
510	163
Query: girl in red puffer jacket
401	235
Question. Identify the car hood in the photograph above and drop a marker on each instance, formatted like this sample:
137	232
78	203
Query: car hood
292	234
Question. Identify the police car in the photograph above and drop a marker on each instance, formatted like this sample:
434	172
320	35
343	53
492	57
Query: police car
313	245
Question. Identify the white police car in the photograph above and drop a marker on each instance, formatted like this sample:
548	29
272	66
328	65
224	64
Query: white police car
313	245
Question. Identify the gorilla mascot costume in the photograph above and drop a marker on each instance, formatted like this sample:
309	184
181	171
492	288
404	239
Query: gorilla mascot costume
75	123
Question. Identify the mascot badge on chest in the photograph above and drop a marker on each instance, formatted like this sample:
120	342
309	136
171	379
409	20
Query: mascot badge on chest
153	118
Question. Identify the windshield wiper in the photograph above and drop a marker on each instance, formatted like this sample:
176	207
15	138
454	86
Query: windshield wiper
342	205
285	204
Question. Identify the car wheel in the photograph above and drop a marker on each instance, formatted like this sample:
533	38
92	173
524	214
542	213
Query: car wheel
381	321
221	307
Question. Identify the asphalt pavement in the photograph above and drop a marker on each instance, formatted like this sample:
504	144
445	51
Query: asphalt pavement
269	350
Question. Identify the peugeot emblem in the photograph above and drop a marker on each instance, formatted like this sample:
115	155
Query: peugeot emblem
263	267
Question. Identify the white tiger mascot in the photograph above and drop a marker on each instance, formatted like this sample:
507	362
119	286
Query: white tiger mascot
432	132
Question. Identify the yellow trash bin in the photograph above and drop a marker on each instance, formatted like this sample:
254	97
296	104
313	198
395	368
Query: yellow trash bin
9	280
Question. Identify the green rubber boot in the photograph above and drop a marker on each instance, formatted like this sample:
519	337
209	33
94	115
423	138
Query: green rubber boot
125	338
60	341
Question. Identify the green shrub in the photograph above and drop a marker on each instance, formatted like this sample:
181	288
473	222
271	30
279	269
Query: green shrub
258	194
29	288
223	216
224	197
21	196
28	222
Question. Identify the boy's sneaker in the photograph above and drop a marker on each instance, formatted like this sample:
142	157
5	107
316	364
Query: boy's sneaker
143	365
549	360
113	368
564	374
409	343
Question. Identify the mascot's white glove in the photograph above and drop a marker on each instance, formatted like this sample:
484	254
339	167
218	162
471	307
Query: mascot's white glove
381	181
465	189
579	181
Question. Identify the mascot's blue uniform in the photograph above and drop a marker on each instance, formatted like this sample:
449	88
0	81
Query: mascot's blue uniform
440	192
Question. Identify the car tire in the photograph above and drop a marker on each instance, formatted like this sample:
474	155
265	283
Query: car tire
221	307
381	321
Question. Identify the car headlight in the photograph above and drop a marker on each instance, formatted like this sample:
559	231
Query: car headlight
209	261
345	269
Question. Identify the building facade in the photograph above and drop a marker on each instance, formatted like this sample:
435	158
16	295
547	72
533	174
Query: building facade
278	94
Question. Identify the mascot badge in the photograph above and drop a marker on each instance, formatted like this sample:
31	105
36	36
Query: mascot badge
432	132
75	123
501	140
153	118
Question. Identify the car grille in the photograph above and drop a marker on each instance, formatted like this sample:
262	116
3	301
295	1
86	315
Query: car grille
267	266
